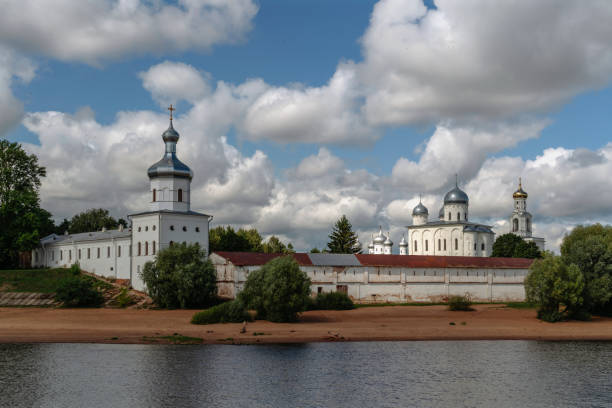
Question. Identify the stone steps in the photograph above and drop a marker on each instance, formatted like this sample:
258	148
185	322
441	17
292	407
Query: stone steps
27	299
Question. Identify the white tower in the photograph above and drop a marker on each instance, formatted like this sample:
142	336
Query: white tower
371	246
379	241
456	204
170	178
388	245
520	221
420	214
403	246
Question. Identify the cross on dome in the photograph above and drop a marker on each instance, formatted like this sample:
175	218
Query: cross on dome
171	109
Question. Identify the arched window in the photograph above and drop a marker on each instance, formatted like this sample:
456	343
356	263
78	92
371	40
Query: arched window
458	216
108	252
445	244
98	252
515	225
439	244
154	195
146	247
426	245
528	225
139	249
153	248
118	251
415	246
474	246
482	246
449	216
88	253
79	254
180	195
61	255
456	244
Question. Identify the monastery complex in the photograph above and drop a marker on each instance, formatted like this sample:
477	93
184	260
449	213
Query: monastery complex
449	255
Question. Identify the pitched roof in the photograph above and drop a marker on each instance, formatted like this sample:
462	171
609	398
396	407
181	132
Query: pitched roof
86	236
257	258
405	261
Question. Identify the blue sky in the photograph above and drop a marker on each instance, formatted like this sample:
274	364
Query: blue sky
512	94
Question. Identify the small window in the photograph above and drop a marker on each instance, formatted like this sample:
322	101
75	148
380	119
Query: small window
319	289
474	246
154	228
415	246
482	246
119	251
426	245
139	249
146	247
172	228
88	253
70	254
180	195
130	250
61	255
108	252
439	244
445	244
52	255
79	254
184	228
98	252
449	216
153	248
465	216
197	229
139	229
154	195
456	244
147	228
458	216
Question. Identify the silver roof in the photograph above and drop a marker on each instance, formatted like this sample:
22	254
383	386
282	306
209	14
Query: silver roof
420	209
85	236
170	165
170	212
334	260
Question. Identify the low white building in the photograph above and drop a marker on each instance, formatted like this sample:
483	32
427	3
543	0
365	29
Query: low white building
122	253
388	278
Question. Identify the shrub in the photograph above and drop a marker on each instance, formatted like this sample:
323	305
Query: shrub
181	277
332	301
278	291
227	312
75	269
78	292
124	299
461	303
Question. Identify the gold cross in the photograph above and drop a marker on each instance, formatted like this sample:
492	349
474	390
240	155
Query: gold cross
171	109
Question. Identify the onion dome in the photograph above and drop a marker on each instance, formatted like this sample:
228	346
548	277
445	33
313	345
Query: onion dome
357	245
371	245
441	213
420	209
403	242
388	241
456	196
520	193
380	238
170	165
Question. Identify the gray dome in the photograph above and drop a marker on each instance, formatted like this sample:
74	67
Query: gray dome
441	212
456	196
371	245
420	209
388	242
357	244
170	165
403	242
380	238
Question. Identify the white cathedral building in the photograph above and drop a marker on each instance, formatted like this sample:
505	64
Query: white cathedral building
452	234
122	253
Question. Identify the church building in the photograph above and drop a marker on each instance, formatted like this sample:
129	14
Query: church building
520	221
122	253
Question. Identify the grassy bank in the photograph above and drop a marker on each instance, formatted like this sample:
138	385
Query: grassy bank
32	280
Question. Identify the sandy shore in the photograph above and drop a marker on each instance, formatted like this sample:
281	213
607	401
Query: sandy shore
38	325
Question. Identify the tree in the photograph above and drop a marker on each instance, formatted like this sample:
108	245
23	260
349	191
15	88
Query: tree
253	237
22	220
227	239
93	219
315	250
512	246
342	239
590	249
551	284
181	277
278	291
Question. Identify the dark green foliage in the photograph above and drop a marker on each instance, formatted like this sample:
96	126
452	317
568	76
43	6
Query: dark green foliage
315	250
75	269
332	301
460	303
276	246
22	220
181	277
551	285
33	280
245	240
124	299
513	246
227	312
342	238
278	291
590	249
76	291
93	219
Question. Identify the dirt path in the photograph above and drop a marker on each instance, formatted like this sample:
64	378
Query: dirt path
366	324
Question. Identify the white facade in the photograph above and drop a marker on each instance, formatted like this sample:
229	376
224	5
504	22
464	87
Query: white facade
122	253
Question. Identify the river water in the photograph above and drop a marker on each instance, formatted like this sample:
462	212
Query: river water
371	374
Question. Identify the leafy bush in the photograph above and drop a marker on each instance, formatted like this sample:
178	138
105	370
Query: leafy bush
124	299
278	291
227	312
75	269
461	303
78	292
552	284
332	301
181	277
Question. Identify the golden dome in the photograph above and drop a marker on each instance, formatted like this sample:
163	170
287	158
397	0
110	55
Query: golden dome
520	193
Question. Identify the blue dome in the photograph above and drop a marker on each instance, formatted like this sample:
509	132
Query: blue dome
170	165
420	209
456	196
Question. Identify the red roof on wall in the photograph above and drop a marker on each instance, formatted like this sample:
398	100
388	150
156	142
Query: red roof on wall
257	258
403	261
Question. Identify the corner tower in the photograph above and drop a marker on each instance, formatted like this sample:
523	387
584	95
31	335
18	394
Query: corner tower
170	178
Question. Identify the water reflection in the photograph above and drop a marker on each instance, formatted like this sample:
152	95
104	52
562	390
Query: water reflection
389	374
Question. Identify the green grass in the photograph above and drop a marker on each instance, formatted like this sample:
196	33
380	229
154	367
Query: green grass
520	305
32	280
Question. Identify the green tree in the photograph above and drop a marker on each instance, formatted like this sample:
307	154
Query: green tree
552	285
226	239
512	246
590	249
315	250
278	291
342	238
253	237
275	246
93	219
181	277
22	220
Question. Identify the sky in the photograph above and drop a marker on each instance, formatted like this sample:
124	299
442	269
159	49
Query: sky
292	113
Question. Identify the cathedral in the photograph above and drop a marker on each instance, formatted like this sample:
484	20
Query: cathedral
122	253
452	234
